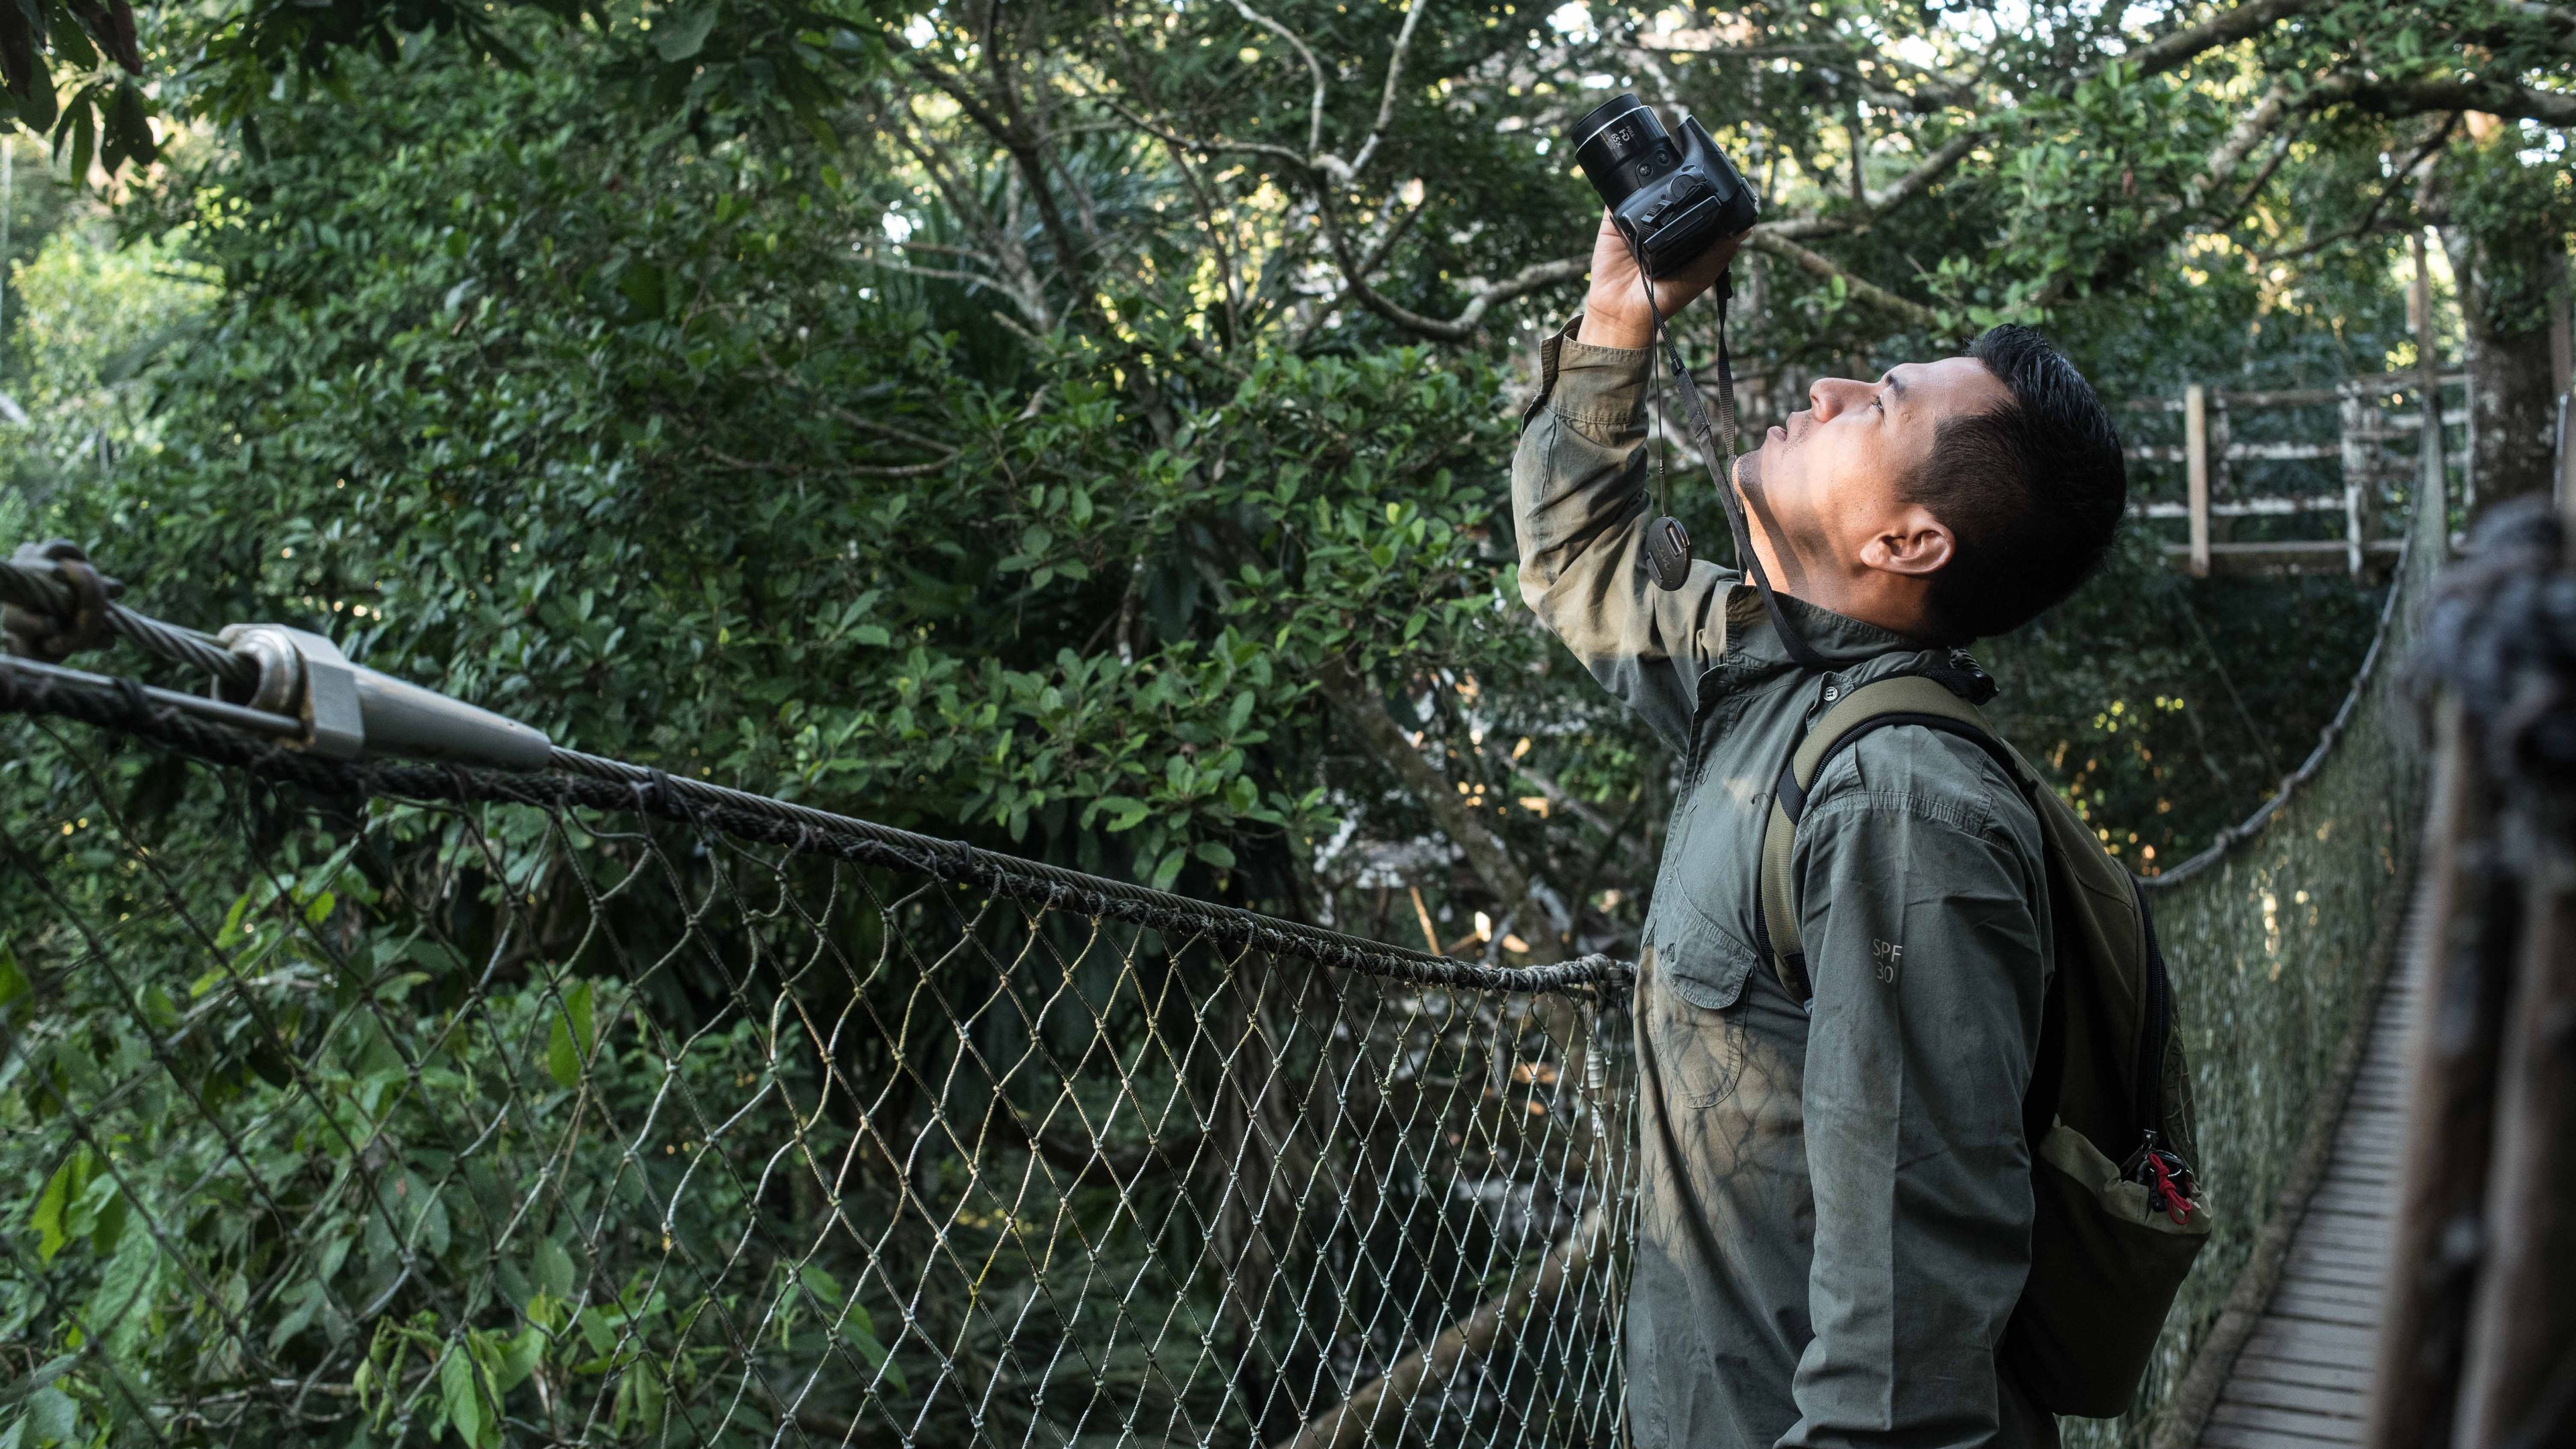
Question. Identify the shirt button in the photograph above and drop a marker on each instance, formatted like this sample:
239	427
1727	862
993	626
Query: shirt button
1833	692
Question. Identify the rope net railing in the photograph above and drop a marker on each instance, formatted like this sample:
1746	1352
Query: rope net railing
2278	937
345	1103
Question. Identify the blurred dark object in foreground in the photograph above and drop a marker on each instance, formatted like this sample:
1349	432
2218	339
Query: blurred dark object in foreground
2479	1343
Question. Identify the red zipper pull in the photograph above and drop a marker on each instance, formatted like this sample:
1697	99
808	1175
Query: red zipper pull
2176	1206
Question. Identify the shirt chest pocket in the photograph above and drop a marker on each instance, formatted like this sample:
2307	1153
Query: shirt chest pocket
1691	1012
1702	924
1701	961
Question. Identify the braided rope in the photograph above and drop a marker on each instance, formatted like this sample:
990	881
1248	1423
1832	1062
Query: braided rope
591	782
41	589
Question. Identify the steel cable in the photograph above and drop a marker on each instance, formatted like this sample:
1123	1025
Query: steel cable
593	782
41	589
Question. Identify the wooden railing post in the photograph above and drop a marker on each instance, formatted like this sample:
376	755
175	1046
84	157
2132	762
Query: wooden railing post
2195	451
2222	477
2468	418
2523	1315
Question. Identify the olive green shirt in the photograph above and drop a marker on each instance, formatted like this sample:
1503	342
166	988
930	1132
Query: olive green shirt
1834	1195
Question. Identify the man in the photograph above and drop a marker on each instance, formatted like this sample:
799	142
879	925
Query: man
1836	1211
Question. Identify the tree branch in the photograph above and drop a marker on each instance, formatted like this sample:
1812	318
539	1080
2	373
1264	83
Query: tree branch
1766	238
2271	167
1877	204
944	274
1207	210
1367	267
1083	1151
1781	237
1015	278
1612	832
2370	218
1939	90
2171	222
1314	68
1912	313
1778	238
1208	146
1933	167
1028	148
2467	93
1386	101
2225	28
1458	329
1006	132
1531	1292
2241	139
1316	157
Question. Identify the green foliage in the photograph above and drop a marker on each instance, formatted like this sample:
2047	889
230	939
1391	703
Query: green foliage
608	430
91	317
92	75
2514	194
92	51
2217	689
290	1131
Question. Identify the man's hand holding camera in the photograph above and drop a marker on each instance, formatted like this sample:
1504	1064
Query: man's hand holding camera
1614	310
1677	208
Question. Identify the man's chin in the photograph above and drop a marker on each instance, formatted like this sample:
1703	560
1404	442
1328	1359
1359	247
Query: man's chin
1748	466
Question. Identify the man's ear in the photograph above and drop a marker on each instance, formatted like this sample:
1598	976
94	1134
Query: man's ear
1913	543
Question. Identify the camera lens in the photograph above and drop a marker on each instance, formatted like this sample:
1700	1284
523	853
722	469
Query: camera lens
1621	146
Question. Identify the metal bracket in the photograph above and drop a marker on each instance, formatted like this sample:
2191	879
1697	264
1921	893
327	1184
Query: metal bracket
353	712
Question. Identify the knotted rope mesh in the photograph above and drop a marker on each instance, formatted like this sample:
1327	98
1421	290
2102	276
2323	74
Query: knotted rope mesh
382	1115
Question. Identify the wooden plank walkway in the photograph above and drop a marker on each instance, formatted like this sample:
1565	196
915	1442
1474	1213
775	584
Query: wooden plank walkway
2299	1383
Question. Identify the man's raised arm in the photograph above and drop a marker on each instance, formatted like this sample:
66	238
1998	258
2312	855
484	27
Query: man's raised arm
1579	496
1580	505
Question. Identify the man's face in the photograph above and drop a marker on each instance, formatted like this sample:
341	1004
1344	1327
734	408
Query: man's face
1825	490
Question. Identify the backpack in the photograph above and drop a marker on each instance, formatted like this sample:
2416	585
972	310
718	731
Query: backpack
2108	1113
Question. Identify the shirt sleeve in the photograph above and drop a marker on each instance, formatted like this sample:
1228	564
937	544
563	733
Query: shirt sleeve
1580	506
1924	913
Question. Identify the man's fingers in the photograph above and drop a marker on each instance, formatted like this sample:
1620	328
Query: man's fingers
1617	305
1678	291
1708	269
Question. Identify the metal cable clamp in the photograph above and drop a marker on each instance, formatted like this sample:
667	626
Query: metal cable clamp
352	712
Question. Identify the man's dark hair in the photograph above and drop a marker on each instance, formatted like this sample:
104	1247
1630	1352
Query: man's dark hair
2031	492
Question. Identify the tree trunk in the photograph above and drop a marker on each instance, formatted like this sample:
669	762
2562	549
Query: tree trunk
2512	408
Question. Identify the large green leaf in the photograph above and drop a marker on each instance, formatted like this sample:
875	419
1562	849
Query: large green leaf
569	1043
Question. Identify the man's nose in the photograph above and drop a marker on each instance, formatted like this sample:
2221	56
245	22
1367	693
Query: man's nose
1828	396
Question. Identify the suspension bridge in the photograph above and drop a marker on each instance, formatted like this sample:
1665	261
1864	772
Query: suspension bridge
377	1068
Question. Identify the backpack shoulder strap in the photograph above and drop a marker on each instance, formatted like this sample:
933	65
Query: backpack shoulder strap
1909	699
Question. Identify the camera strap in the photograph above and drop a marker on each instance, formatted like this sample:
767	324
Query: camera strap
1717	450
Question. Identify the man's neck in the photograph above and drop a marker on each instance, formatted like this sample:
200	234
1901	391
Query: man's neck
1872	596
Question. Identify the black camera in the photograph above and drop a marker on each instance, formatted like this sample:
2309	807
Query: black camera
1672	202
